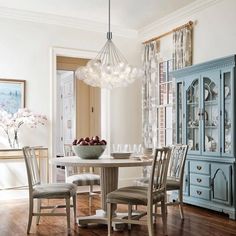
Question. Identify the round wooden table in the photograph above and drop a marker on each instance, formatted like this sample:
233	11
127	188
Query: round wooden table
109	178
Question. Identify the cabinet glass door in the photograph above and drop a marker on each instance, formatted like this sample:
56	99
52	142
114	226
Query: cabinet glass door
192	116
227	114
211	113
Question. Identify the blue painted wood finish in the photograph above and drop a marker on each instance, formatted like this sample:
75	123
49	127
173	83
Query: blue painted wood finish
207	123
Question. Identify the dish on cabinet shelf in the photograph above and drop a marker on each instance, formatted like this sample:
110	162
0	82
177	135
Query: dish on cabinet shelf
214	90
226	91
211	146
206	93
190	144
206	140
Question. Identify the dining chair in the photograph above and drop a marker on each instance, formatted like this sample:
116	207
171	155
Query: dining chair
81	176
143	195
175	176
39	191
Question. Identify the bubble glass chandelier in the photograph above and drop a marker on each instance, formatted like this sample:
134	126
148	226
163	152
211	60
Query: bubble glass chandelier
109	69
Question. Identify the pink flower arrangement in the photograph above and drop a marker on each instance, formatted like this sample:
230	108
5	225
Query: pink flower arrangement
11	123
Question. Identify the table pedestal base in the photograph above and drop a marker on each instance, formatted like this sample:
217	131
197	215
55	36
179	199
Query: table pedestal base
109	183
101	218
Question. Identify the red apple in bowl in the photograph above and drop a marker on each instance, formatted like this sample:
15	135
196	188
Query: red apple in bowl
83	143
80	140
74	142
87	139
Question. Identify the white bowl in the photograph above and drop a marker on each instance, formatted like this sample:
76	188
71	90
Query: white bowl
89	151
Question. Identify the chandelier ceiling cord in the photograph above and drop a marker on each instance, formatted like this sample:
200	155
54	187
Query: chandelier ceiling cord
109	69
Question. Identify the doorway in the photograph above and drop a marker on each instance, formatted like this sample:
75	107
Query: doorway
78	106
105	101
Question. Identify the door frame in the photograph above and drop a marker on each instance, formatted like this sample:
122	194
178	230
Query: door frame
105	99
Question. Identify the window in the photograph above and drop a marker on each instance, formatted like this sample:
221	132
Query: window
164	104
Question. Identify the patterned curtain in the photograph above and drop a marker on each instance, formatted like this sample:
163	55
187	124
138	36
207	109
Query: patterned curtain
182	54
149	93
182	57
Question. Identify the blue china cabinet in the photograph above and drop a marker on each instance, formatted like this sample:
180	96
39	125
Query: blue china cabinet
205	120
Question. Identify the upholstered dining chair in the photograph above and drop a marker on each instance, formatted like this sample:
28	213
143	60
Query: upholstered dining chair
81	176
39	191
175	176
143	195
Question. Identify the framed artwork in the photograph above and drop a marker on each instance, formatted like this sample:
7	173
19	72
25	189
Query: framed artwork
12	95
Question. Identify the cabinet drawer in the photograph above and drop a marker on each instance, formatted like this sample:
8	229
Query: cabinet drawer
201	180
200	192
200	167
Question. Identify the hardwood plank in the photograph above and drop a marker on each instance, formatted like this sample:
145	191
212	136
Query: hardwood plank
198	221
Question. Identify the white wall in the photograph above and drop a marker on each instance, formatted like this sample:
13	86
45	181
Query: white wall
25	54
214	31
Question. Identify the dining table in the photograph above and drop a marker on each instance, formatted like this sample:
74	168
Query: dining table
109	167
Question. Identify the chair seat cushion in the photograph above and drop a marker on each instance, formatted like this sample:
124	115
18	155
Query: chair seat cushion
84	179
172	184
57	190
134	195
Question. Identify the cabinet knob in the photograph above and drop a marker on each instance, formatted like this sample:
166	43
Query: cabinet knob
199	167
199	180
199	192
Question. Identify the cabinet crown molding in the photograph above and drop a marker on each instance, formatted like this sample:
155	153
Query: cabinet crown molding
210	65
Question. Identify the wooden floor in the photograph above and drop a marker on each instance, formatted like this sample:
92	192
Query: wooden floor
198	222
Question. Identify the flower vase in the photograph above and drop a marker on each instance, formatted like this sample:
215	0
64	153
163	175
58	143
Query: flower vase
16	141
13	141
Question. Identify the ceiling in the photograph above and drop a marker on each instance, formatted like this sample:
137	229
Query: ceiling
132	14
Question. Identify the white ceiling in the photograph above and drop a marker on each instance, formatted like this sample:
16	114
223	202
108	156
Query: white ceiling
132	14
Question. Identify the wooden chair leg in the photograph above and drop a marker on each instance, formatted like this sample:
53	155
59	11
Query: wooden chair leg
90	198
68	214
38	210
166	201
155	206
31	206
109	218
163	215
74	207
150	220
90	188
129	215
181	204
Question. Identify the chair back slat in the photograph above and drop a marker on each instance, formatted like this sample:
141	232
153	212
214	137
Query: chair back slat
31	167
157	183
177	162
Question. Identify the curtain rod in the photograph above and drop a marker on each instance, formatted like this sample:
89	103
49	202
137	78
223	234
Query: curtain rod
189	24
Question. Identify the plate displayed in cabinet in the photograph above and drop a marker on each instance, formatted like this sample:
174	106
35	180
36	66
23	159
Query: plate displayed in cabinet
211	146
206	93
226	91
206	140
214	90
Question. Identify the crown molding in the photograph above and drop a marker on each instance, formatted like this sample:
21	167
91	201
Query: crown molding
178	15
72	22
